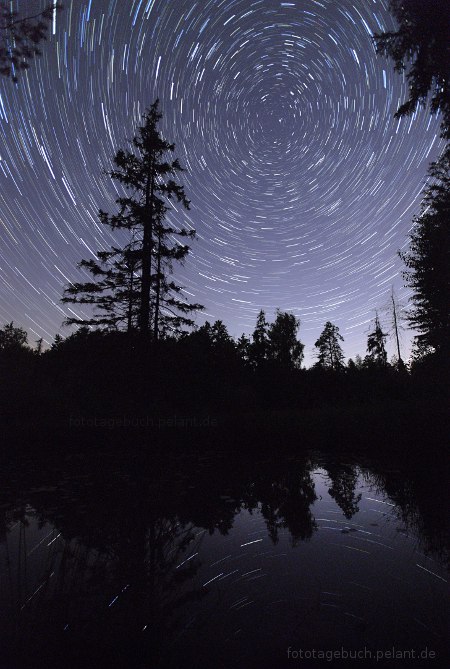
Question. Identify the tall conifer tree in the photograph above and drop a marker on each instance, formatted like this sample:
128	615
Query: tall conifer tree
136	286
330	355
428	263
375	344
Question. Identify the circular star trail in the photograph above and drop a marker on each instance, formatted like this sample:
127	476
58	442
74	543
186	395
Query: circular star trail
303	186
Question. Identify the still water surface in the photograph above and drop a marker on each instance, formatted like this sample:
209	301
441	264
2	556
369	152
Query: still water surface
216	560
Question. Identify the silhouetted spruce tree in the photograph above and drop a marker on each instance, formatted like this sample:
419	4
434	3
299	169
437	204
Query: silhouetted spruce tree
212	345
375	344
20	36
330	355
133	285
351	365
217	335
259	349
423	42
284	347
428	263
358	362
57	342
13	338
356	365
150	178
243	347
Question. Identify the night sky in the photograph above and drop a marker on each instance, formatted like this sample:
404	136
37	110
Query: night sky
303	185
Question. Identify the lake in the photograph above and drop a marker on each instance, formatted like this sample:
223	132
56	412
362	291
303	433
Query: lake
222	560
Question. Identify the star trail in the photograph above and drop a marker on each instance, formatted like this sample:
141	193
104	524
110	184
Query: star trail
302	184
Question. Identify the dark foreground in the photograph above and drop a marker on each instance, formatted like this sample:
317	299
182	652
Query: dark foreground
170	505
115	556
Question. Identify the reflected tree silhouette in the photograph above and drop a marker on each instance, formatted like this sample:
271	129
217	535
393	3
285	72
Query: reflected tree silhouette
344	479
285	499
121	568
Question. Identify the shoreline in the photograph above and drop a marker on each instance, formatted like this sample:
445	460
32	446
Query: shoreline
400	426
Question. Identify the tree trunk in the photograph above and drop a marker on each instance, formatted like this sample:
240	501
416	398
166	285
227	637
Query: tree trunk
144	312
394	311
158	289
130	300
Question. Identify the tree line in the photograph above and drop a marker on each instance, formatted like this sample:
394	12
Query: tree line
273	343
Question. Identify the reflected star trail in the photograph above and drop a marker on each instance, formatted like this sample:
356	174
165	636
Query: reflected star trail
303	185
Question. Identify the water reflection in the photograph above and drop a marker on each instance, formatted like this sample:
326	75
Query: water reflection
344	479
218	560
